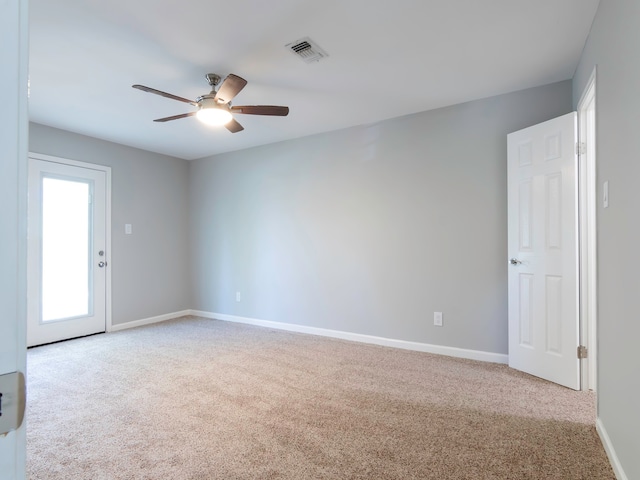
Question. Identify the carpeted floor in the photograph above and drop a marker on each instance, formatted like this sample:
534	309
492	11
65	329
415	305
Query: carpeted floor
201	399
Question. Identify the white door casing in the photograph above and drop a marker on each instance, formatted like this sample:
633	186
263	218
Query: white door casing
588	232
13	160
543	251
91	182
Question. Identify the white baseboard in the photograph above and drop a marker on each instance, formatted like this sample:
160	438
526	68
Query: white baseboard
148	321
611	453
358	337
324	332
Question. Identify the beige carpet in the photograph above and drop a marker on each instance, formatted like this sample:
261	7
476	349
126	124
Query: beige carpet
201	399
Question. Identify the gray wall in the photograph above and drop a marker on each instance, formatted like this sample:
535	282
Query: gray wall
369	229
613	47
150	268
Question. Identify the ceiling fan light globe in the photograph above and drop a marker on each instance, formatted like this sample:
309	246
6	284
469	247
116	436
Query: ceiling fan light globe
214	116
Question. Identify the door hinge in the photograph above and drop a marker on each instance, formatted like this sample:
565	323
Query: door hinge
582	352
581	148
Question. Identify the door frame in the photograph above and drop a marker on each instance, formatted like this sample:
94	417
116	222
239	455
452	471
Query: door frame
587	213
107	172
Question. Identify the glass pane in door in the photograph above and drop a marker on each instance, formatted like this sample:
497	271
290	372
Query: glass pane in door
66	247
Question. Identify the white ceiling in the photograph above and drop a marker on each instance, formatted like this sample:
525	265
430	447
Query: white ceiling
387	58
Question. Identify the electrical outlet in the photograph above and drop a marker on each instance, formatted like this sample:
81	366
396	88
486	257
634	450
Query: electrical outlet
437	319
238	297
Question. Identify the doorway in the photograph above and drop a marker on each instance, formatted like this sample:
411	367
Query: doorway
543	251
67	258
552	330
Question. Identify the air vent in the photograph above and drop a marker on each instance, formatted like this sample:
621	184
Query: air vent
307	50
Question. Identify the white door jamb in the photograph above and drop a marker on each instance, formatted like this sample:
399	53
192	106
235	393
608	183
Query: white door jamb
588	234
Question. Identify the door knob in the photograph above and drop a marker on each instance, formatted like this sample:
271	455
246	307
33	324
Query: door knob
102	264
12	401
515	261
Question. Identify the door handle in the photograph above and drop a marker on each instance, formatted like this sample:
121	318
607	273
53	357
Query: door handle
102	264
515	261
12	401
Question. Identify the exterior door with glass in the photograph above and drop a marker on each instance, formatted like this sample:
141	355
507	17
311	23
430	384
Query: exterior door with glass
67	257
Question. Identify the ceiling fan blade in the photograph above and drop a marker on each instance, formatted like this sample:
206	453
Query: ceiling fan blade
261	110
164	94
229	88
175	117
233	126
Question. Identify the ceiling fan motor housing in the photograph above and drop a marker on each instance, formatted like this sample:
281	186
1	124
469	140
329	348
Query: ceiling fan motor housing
209	101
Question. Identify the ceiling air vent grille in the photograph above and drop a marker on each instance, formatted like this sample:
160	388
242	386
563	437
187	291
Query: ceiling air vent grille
307	50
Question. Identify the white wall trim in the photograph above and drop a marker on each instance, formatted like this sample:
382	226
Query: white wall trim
611	453
587	212
324	332
358	337
147	321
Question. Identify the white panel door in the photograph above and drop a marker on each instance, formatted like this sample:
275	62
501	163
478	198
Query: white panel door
13	158
543	251
66	251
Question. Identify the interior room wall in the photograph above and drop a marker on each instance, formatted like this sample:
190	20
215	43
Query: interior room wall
613	46
150	267
371	229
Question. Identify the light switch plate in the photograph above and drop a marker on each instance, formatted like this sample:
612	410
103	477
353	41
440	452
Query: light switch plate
605	194
12	401
437	319
128	229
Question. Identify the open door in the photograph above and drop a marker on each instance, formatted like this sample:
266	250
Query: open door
543	251
13	160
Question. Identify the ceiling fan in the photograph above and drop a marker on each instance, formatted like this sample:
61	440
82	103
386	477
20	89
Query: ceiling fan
215	108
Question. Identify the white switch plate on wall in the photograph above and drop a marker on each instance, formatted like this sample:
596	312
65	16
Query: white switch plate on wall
128	230
238	297
605	194
437	319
